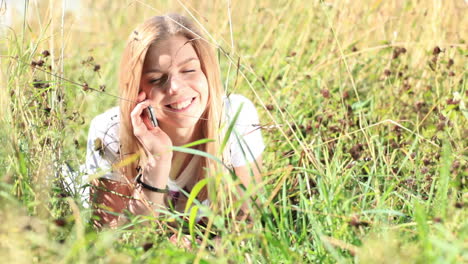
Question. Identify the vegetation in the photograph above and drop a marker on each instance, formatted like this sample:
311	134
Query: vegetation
363	105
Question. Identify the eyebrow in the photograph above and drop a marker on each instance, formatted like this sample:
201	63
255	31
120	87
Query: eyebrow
180	64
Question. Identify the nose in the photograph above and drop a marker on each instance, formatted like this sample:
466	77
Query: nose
174	85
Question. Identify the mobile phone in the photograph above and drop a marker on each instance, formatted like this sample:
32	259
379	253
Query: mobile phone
152	116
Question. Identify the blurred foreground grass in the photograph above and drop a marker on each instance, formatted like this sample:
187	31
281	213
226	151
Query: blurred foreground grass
368	164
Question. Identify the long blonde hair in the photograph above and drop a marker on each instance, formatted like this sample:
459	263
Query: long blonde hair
149	33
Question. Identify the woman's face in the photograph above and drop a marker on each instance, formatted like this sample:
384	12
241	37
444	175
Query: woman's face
174	82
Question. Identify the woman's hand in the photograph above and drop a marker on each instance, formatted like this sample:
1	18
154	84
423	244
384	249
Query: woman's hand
155	141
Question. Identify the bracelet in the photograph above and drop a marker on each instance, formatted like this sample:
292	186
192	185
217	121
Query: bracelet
147	186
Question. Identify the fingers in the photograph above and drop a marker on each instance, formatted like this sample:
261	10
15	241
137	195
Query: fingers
147	121
141	96
139	124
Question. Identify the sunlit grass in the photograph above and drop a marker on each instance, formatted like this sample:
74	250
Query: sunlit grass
364	104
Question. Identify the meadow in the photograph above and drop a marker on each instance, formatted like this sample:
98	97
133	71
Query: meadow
364	114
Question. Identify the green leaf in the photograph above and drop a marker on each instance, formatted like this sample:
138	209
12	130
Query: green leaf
193	194
359	105
198	142
192	219
199	153
230	128
441	202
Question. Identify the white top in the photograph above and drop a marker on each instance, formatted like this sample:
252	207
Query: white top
245	143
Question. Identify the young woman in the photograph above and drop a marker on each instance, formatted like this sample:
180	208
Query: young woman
169	66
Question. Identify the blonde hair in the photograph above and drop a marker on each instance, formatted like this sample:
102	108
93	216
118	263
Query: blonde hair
149	33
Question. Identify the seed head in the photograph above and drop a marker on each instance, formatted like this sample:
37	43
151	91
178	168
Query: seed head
419	105
455	165
440	126
450	101
436	51
85	87
60	222
40	63
325	93
98	145
387	72
334	129
147	246
450	63
97	67
45	53
345	95
356	222
424	170
270	107
356	151
37	83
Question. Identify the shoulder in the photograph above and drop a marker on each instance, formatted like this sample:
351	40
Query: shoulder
105	128
109	117
245	141
236	102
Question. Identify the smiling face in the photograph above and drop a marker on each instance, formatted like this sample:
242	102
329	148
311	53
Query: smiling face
174	82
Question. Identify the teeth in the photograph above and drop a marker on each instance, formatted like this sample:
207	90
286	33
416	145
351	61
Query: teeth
181	105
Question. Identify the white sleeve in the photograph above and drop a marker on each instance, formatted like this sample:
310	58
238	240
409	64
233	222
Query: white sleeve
103	147
246	141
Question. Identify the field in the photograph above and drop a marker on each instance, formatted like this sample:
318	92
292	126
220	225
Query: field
364	113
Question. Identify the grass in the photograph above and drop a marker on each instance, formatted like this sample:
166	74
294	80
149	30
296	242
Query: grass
366	161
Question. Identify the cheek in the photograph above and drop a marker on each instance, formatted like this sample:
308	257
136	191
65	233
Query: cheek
145	88
202	84
152	94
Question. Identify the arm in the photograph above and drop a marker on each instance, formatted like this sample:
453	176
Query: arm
114	194
105	197
111	196
243	172
249	180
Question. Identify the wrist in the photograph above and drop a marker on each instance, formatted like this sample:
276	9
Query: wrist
157	174
149	187
160	154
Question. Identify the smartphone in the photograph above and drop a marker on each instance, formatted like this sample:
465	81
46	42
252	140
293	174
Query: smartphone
152	116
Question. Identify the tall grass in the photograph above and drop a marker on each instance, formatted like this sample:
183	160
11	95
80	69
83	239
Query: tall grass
366	161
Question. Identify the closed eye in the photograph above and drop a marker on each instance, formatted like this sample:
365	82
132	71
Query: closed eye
187	71
155	81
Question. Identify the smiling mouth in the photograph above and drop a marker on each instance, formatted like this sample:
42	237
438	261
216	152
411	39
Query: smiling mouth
181	106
